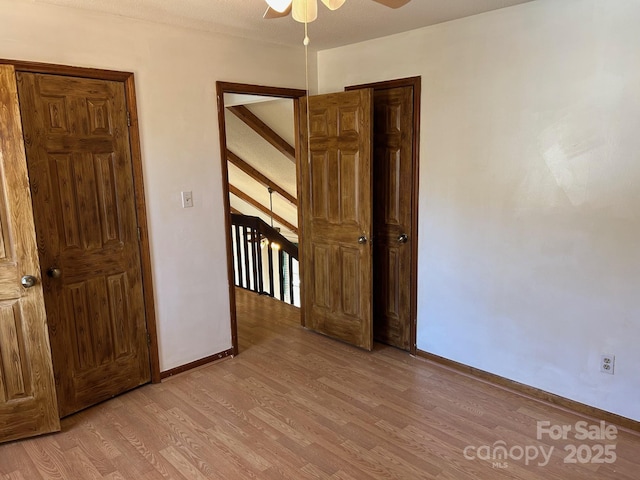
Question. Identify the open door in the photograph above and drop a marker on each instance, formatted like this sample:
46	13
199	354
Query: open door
336	212
28	404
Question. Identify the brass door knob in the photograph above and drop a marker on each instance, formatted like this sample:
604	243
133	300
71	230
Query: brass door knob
362	240
28	281
54	272
403	238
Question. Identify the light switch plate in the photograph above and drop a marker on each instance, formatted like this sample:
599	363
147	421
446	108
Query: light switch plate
187	199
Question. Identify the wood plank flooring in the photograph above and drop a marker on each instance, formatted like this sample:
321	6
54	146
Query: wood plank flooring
296	405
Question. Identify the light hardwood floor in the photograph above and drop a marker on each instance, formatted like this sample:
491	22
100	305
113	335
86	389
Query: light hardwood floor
296	405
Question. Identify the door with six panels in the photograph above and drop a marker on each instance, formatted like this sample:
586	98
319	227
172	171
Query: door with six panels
392	215
80	169
336	207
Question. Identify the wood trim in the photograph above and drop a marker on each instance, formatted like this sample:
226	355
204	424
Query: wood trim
243	196
415	207
399	82
416	83
53	69
249	89
198	363
262	129
532	392
222	136
260	178
141	213
296	122
138	182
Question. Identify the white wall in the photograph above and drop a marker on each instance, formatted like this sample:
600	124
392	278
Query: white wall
529	230
176	71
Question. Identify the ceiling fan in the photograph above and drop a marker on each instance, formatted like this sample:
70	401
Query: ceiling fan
306	11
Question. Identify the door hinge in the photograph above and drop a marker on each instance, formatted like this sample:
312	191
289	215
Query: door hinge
148	339
139	234
128	119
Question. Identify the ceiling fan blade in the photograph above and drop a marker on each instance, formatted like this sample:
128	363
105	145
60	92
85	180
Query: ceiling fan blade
271	13
279	5
393	3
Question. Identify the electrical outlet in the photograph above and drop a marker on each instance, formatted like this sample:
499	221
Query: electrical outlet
607	363
187	199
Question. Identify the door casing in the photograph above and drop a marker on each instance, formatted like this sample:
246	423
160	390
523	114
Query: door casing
247	89
138	181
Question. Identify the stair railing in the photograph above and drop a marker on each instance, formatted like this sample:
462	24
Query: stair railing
264	261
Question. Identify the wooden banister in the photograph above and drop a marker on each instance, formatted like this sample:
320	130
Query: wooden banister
248	232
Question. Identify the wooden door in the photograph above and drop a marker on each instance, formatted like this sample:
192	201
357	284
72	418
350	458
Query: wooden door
79	160
336	216
393	162
27	392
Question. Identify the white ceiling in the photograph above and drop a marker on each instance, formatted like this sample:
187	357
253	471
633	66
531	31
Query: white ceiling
356	21
257	152
261	155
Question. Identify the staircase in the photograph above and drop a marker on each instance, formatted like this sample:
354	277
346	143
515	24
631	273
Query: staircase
264	261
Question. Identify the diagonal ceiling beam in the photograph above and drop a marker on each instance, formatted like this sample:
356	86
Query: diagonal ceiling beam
243	196
262	129
260	178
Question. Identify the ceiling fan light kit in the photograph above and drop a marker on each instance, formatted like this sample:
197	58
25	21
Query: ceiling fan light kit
306	11
333	4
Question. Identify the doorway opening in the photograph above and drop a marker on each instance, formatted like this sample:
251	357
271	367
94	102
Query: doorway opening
258	144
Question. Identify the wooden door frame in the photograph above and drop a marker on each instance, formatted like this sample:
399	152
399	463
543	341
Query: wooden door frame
248	89
127	78
415	83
